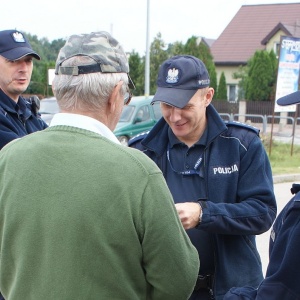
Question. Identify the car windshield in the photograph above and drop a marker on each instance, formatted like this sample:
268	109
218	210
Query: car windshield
49	107
126	113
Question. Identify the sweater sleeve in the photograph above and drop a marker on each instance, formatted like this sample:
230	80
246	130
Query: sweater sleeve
170	261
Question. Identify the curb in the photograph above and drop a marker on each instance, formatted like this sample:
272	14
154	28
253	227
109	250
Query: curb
286	178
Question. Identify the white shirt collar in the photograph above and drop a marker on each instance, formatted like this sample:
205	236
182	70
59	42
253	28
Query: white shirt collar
84	122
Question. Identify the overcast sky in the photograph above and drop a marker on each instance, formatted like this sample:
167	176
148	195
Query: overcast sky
126	20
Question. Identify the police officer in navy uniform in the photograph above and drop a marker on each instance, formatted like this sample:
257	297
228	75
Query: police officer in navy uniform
219	175
282	279
18	116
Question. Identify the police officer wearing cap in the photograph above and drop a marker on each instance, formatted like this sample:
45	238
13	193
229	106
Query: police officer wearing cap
18	116
219	176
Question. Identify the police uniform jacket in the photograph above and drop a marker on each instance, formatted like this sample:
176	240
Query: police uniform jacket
240	201
18	119
282	281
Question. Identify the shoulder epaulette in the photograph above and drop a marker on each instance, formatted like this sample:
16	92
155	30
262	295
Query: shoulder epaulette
137	138
242	125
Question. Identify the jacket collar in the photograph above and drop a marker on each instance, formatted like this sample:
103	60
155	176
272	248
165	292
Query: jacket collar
21	108
157	139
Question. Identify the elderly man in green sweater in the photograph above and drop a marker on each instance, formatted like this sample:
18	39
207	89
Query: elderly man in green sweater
81	216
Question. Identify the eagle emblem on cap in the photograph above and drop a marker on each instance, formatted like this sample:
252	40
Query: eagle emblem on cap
172	76
18	37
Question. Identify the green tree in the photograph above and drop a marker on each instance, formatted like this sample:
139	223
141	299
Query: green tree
38	83
176	49
274	62
222	88
136	71
52	49
192	47
198	48
157	56
48	53
261	77
241	74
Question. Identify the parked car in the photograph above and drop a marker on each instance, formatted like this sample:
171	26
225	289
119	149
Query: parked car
48	107
137	117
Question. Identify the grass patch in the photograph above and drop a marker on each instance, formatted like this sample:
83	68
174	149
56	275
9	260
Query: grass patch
283	158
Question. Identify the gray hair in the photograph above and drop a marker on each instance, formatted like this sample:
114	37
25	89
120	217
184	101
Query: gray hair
87	92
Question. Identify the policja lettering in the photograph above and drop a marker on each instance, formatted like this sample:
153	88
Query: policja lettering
226	170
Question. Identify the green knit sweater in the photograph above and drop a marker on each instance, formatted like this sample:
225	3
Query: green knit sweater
84	218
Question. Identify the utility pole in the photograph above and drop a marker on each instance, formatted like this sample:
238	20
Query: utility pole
147	62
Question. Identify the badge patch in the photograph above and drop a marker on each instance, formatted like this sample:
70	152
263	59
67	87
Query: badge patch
172	76
204	82
18	37
226	170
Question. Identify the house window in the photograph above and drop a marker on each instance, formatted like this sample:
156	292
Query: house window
232	89
276	49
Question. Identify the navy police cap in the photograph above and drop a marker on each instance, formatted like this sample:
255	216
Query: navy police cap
179	78
14	45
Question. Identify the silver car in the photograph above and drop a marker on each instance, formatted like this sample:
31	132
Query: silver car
48	107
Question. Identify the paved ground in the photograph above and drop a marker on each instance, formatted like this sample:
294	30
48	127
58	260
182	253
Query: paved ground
281	133
283	195
286	178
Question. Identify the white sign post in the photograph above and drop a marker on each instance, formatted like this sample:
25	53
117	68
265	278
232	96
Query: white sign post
51	75
287	79
288	71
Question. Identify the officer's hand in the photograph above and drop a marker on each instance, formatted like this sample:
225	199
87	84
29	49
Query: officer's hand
189	214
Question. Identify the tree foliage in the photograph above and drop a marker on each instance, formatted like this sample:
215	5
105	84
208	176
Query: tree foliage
241	74
159	52
136	71
48	53
222	88
257	79
157	56
261	77
176	49
196	47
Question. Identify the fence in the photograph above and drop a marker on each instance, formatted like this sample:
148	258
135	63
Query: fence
260	114
251	107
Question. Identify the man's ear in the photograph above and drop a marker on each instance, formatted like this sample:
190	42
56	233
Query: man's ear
114	97
209	96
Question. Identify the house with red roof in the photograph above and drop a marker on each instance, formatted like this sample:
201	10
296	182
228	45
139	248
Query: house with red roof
254	27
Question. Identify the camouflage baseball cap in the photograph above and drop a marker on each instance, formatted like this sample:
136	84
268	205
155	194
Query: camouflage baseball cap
100	46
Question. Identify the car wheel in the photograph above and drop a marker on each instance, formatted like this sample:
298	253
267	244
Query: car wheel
123	140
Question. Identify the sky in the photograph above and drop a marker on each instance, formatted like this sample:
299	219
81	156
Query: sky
126	20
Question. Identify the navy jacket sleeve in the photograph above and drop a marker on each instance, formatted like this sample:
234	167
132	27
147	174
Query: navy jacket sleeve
8	131
281	280
250	205
11	128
